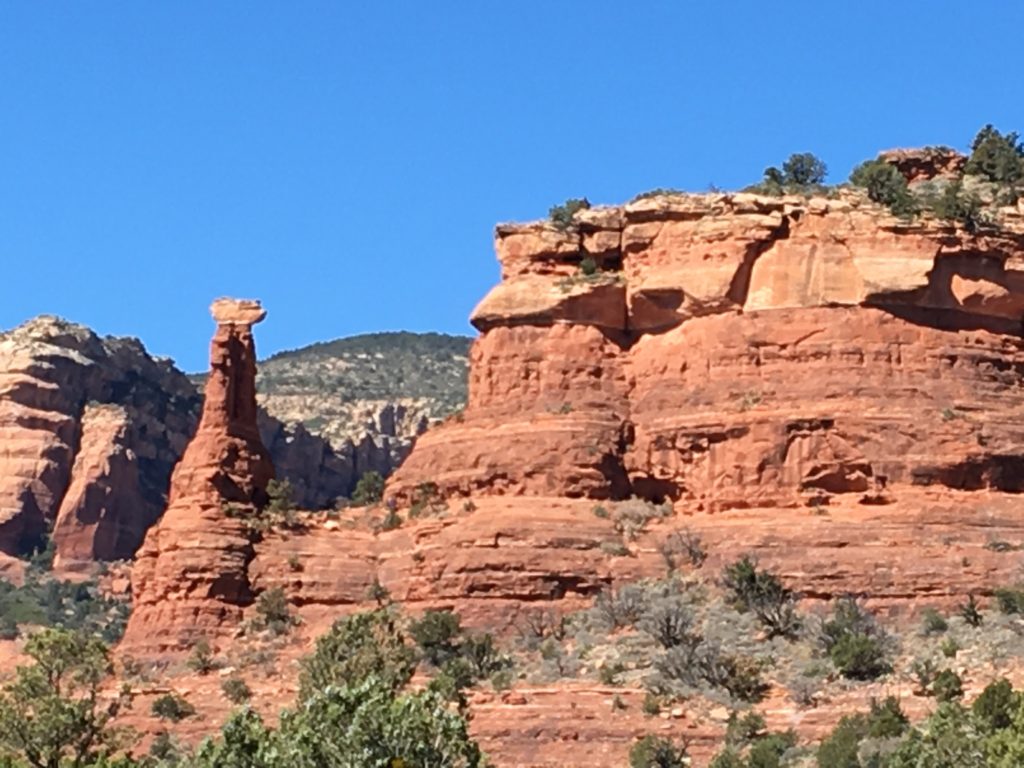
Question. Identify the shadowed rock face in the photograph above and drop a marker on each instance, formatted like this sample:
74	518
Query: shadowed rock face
190	575
737	350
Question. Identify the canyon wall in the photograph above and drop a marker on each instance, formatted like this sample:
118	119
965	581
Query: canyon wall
731	350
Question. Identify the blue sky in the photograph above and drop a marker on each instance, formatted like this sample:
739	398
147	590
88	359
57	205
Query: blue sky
346	162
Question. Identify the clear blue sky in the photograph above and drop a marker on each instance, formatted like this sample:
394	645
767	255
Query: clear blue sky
346	162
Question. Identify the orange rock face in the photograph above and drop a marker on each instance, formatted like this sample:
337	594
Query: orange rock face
191	575
741	351
90	428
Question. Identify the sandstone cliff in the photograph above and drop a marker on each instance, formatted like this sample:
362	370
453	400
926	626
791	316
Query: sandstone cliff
732	350
90	430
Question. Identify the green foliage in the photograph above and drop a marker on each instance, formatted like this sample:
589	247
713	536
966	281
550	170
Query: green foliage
368	725
562	215
369	490
482	655
236	690
245	742
885	720
358	647
426	499
949	739
42	557
995	705
659	192
172	707
970	612
588	266
273	611
45	601
763	594
885	185
657	752
280	497
997	157
947	686
201	659
1010	599
854	642
50	713
802	172
391	520
933	622
437	635
699	662
959	205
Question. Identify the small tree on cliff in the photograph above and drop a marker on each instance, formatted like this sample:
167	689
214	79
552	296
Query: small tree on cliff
369	489
51	714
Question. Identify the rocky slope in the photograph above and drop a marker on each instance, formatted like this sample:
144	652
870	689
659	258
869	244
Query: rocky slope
369	395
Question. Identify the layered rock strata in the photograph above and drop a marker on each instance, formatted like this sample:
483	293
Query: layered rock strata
732	350
90	429
191	574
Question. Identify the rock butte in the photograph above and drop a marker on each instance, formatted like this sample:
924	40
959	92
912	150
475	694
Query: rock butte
191	574
737	351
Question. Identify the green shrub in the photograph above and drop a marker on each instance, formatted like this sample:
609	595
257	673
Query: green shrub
659	192
588	266
859	657
236	690
369	490
482	655
949	648
562	215
763	594
886	186
995	706
201	659
437	634
840	748
272	608
957	204
970	612
172	707
947	686
1010	599
933	622
997	157
52	711
802	172
391	521
854	642
358	647
657	752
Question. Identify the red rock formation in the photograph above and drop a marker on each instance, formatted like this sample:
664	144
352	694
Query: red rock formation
77	409
191	574
924	164
749	351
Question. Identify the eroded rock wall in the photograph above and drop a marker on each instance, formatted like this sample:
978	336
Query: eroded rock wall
736	350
